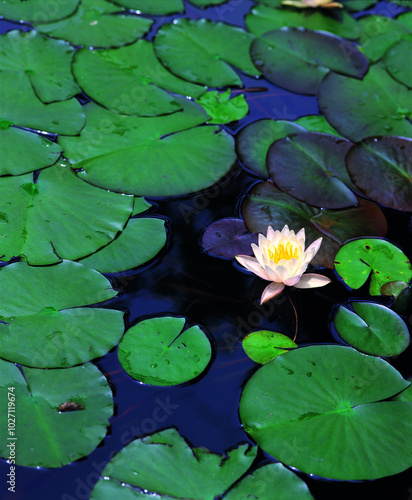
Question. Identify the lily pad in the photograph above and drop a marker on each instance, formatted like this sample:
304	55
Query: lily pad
37	10
134	155
374	257
130	80
153	7
44	62
207	3
298	59
264	345
228	237
159	351
140	241
381	167
203	52
311	167
20	106
221	108
316	123
44	222
97	23
160	459
43	323
262	19
293	406
254	140
381	105
47	436
22	151
394	61
372	328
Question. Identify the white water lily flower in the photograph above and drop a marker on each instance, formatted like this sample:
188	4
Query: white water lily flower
304	4
282	259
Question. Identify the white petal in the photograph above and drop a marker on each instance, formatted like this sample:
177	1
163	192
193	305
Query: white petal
310	280
314	247
271	291
262	241
273	275
258	254
293	280
301	235
270	233
283	271
252	265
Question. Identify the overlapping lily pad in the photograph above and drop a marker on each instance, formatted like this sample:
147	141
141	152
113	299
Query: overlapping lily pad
316	123
160	351
160	459
374	257
135	155
130	80
223	109
382	168
263	346
207	3
320	409
372	328
45	222
203	52
311	167
97	23
381	105
37	11
394	61
298	59
49	434
153	7
43	321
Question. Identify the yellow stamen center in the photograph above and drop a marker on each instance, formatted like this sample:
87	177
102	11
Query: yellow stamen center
283	251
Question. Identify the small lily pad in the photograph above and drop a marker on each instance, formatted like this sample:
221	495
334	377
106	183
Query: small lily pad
159	351
264	345
316	123
221	108
37	11
372	328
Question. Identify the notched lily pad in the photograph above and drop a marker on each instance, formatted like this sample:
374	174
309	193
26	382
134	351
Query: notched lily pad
263	346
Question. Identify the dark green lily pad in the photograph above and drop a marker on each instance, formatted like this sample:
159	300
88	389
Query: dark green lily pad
375	257
43	323
97	23
140	241
153	7
37	11
263	19
45	222
381	105
372	328
264	345
295	405
150	156
207	3
311	168
298	59
316	123
160	459
130	80
22	151
221	108
44	62
20	106
381	167
203	52
394	61
254	140
159	351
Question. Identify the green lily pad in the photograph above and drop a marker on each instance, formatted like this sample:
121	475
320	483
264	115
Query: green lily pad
44	62
262	19
47	302
269	482
159	351
97	23
153	7
207	3
48	436
20	106
150	156
316	123
221	108
264	345
311	167
130	80
375	257
160	459
22	151
37	10
203	52
254	140
298	59
381	167
140	241
372	328
45	222
381	105
293	406
394	61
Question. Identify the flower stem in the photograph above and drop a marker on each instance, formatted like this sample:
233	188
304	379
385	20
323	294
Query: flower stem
296	317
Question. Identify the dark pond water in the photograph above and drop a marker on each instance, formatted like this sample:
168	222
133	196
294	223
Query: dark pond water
215	294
